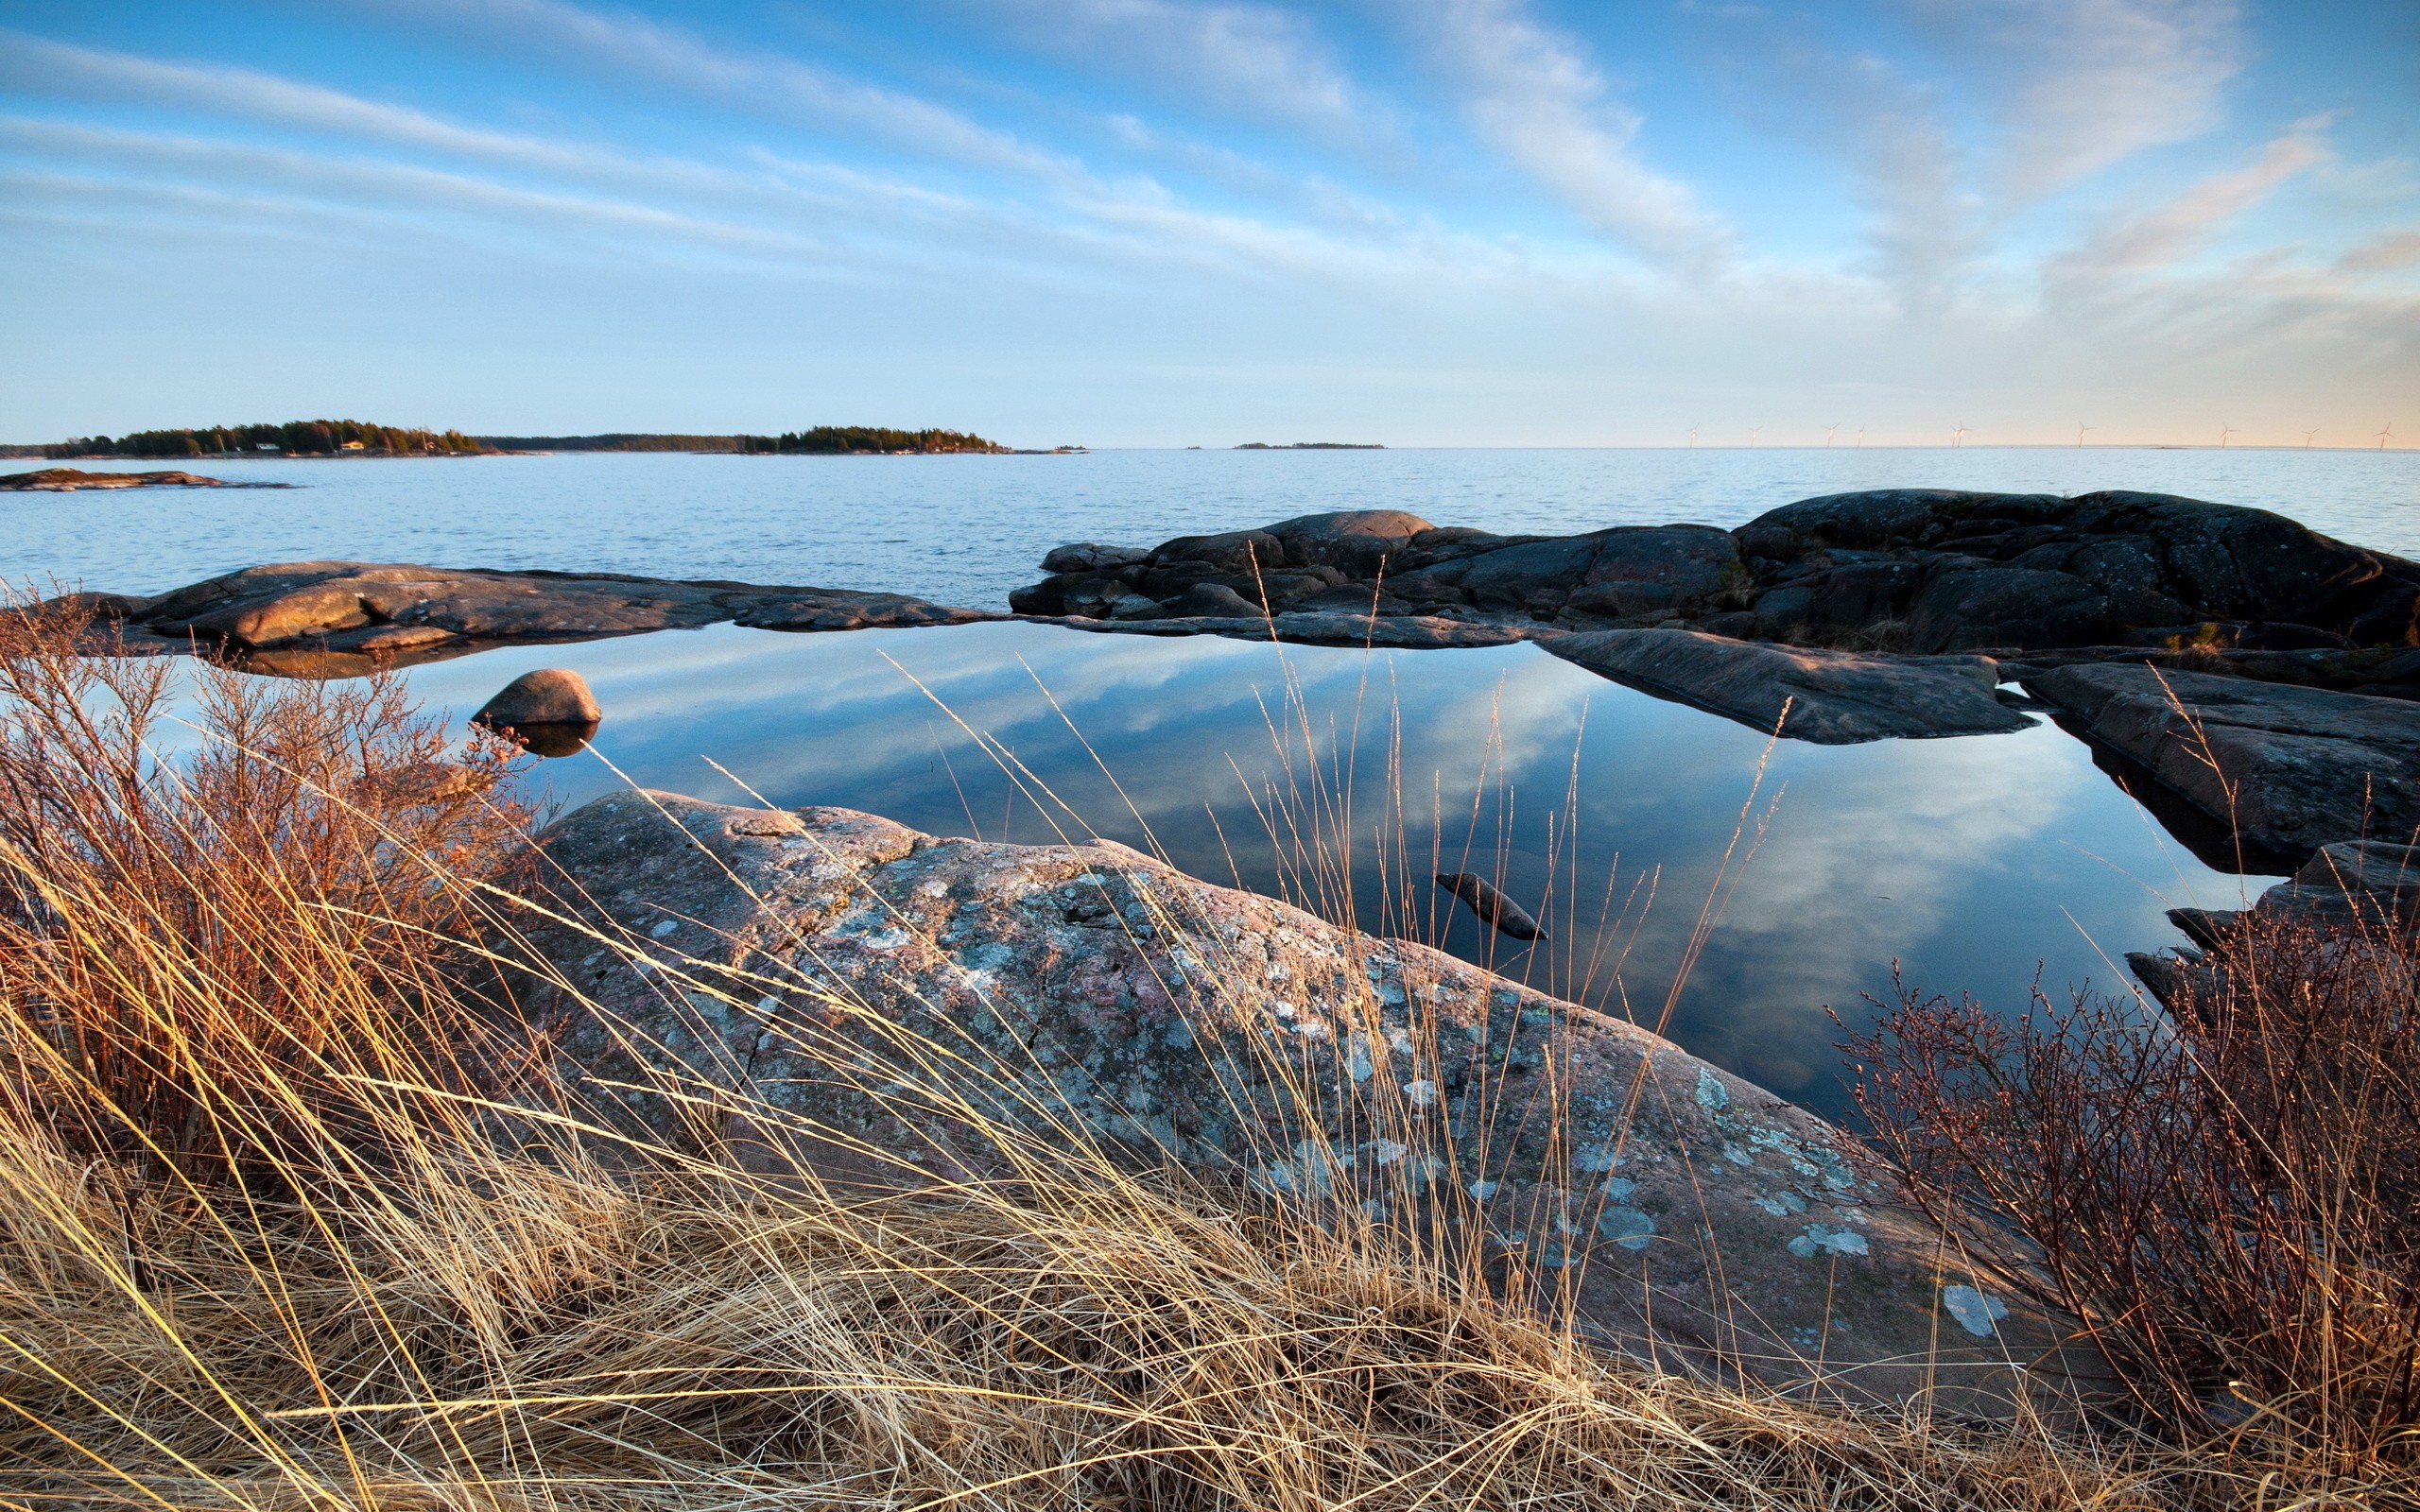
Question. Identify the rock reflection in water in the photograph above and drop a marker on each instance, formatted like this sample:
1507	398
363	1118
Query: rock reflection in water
1969	861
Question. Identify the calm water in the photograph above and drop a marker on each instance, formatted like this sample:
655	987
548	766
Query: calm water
966	529
1973	862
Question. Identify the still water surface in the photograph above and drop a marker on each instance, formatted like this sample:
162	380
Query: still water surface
966	529
1974	863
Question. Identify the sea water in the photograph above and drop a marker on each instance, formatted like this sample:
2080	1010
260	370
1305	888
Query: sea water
966	529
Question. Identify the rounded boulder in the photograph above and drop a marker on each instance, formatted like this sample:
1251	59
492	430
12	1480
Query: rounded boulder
550	710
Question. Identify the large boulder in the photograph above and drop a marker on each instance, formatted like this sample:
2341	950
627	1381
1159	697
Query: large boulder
1831	697
2288	769
823	985
551	712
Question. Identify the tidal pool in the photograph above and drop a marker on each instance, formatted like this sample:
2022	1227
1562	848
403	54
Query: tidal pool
1974	865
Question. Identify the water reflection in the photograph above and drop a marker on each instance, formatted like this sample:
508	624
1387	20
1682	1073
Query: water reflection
1973	862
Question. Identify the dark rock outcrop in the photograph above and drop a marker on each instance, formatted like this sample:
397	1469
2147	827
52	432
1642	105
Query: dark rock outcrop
410	611
1399	565
1831	697
2288	770
2021	572
875	985
2103	577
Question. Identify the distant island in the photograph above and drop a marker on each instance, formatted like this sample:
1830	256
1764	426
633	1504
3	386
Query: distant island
1312	446
821	440
616	441
295	437
348	437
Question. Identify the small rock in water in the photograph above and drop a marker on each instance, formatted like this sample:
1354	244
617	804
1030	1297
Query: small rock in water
1491	906
550	711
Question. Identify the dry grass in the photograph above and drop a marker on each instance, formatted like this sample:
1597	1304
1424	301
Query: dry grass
283	1225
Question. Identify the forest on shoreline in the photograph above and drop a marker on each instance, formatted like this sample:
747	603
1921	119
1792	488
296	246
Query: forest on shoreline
333	438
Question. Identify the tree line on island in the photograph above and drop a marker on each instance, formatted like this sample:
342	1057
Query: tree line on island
296	437
335	437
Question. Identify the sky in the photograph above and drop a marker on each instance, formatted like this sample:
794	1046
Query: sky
1173	222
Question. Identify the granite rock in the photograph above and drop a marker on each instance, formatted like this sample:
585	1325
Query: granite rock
345	607
824	981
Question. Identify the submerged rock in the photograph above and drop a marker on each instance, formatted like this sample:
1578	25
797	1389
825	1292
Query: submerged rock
884	988
1831	697
2286	769
1490	905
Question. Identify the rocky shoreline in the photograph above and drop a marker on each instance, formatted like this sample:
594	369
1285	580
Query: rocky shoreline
2181	637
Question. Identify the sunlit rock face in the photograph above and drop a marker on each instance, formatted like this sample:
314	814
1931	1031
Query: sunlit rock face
827	986
360	608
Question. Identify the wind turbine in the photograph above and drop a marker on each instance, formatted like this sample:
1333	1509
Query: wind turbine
1753	431
1693	437
1958	434
2225	430
2081	430
1827	436
2385	433
1860	435
2307	435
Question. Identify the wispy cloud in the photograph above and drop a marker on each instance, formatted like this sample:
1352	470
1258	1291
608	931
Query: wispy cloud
389	187
801	92
2400	249
1536	97
2097	81
2170	234
1252	59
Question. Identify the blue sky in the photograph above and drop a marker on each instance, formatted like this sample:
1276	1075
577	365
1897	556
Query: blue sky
1166	222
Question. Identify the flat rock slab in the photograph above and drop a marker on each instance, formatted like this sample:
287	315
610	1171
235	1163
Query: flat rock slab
877	984
1831	697
371	609
2289	768
70	480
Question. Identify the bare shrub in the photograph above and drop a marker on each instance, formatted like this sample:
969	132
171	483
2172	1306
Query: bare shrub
206	925
2227	1196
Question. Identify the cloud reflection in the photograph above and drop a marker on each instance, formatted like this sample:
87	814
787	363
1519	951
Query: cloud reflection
1973	861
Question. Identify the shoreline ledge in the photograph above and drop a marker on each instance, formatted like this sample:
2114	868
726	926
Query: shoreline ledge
1890	615
1092	991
